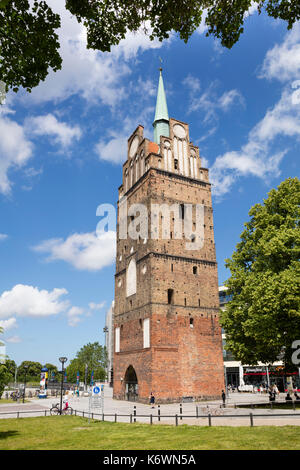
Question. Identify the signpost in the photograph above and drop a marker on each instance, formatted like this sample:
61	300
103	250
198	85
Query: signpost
96	398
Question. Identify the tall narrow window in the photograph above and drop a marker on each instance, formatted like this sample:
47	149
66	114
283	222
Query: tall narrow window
194	269
170	296
131	278
191	322
146	332
181	211
117	340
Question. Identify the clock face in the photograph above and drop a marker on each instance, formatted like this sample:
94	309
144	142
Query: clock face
133	146
179	131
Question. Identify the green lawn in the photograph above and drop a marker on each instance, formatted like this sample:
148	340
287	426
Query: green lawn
75	433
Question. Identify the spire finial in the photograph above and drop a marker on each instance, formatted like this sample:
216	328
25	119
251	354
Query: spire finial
161	119
160	68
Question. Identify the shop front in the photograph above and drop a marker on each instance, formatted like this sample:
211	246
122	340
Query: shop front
264	377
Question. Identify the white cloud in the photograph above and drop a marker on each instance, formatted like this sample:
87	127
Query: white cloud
89	73
29	301
84	251
257	157
8	324
15	150
3	236
283	60
209	102
62	133
261	155
193	83
74	315
94	306
13	339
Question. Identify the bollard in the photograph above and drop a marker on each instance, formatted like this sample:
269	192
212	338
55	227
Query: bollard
158	412
134	414
115	417
209	419
102	416
176	420
151	421
180	408
131	419
251	419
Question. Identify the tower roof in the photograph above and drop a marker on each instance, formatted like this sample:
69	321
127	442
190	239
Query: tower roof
161	119
161	111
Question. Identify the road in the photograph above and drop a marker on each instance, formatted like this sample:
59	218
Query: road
40	407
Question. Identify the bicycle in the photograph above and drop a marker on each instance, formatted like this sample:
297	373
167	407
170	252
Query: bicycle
213	411
55	410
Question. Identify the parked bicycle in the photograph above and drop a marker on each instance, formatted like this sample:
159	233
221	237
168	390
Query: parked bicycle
55	410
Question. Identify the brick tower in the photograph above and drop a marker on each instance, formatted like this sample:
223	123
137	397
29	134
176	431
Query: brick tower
167	338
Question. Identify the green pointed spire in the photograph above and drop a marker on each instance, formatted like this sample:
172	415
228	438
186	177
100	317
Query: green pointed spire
161	119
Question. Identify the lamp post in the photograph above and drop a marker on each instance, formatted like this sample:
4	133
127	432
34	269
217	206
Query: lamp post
105	331
62	360
85	377
26	368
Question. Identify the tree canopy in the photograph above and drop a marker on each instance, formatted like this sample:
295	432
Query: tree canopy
29	44
94	356
263	318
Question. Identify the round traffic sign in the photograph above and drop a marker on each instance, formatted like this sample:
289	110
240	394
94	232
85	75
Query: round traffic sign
96	390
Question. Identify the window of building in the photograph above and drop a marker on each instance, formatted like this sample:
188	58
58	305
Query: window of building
170	296
117	340
146	332
131	278
191	322
194	269
181	211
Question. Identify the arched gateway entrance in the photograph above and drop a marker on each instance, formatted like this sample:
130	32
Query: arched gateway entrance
131	384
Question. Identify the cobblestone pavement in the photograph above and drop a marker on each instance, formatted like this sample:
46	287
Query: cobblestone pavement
219	416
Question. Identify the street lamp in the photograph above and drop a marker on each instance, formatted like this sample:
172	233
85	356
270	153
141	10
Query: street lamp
26	368
62	360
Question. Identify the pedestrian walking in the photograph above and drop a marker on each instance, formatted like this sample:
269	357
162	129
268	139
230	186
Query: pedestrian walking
152	400
223	397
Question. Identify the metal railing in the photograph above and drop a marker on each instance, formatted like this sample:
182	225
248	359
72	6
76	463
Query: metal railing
133	417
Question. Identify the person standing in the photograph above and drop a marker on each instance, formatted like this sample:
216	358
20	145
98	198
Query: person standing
152	400
223	397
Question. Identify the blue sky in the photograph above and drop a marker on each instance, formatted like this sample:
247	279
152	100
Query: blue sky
62	148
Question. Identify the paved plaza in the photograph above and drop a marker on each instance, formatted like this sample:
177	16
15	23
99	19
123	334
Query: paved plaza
123	409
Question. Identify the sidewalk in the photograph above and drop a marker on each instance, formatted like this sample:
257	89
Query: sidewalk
112	407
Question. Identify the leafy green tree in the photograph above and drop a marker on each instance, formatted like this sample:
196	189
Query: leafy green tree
11	366
29	43
94	356
263	318
5	378
33	371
